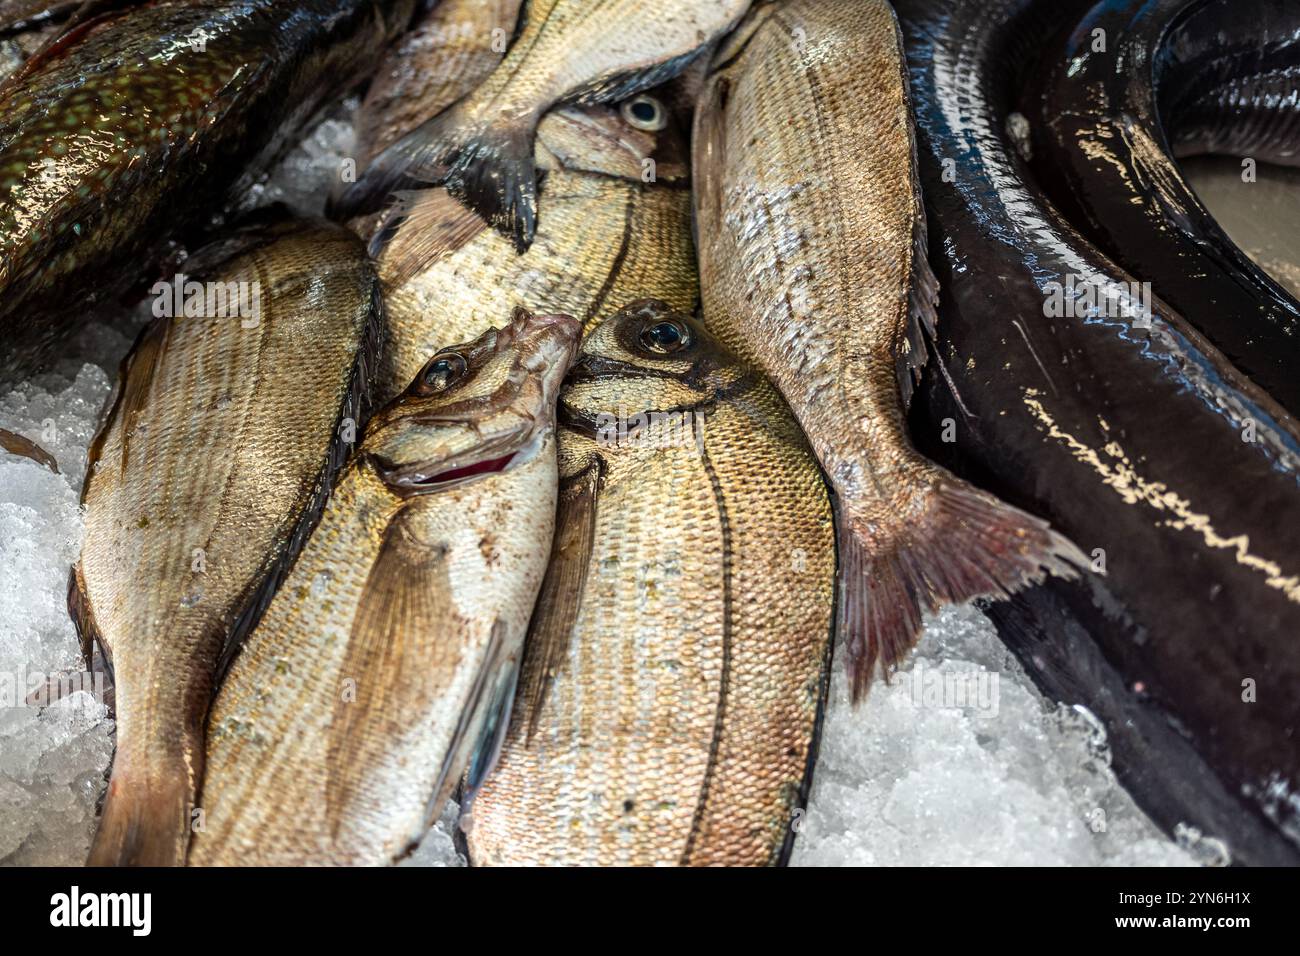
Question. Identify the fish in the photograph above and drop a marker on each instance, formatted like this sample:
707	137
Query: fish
813	267
133	126
617	228
1203	77
229	426
676	665
386	666
453	48
568	52
1131	434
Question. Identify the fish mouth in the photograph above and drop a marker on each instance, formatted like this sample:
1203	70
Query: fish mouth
416	482
430	477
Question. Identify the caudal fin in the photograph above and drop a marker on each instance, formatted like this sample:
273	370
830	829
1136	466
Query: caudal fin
965	544
487	166
143	824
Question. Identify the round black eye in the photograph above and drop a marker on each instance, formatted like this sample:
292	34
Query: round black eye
644	112
440	373
665	337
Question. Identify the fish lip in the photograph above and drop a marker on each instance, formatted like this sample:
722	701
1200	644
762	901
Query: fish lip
491	458
415	482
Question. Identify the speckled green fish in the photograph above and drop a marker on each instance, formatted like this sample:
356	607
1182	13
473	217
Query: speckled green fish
136	122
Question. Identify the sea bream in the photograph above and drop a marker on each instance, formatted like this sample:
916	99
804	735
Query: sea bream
608	236
137	123
812	250
232	417
385	669
675	671
574	52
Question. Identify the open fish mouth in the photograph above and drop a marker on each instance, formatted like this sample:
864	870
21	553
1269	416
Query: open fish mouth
415	481
431	475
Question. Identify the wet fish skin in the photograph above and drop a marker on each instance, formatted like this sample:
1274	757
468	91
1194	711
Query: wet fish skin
567	51
608	236
415	591
172	127
211	468
813	267
1202	77
449	52
674	674
1130	441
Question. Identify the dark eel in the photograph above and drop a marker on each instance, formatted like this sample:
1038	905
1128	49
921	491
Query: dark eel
1177	78
1127	439
137	121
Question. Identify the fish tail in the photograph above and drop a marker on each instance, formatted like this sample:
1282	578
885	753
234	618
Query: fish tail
495	176
146	821
966	544
488	166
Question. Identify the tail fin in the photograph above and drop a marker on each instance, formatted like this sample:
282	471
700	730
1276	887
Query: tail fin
144	823
965	544
495	176
487	166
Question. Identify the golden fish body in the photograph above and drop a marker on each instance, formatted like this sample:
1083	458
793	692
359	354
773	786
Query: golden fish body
386	664
675	665
813	267
453	48
215	460
603	236
608	237
567	51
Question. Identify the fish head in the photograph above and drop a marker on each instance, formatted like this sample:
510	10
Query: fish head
642	138
475	409
647	357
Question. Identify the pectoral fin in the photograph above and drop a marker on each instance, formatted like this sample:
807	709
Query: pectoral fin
421	227
560	598
405	595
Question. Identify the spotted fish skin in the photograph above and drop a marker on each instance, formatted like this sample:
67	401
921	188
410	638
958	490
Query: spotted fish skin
137	122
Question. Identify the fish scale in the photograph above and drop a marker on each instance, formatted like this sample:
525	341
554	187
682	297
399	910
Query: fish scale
567	51
206	474
138	125
605	238
674	673
356	706
813	266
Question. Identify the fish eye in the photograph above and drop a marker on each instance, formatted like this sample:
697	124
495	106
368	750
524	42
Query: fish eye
440	373
665	337
645	113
